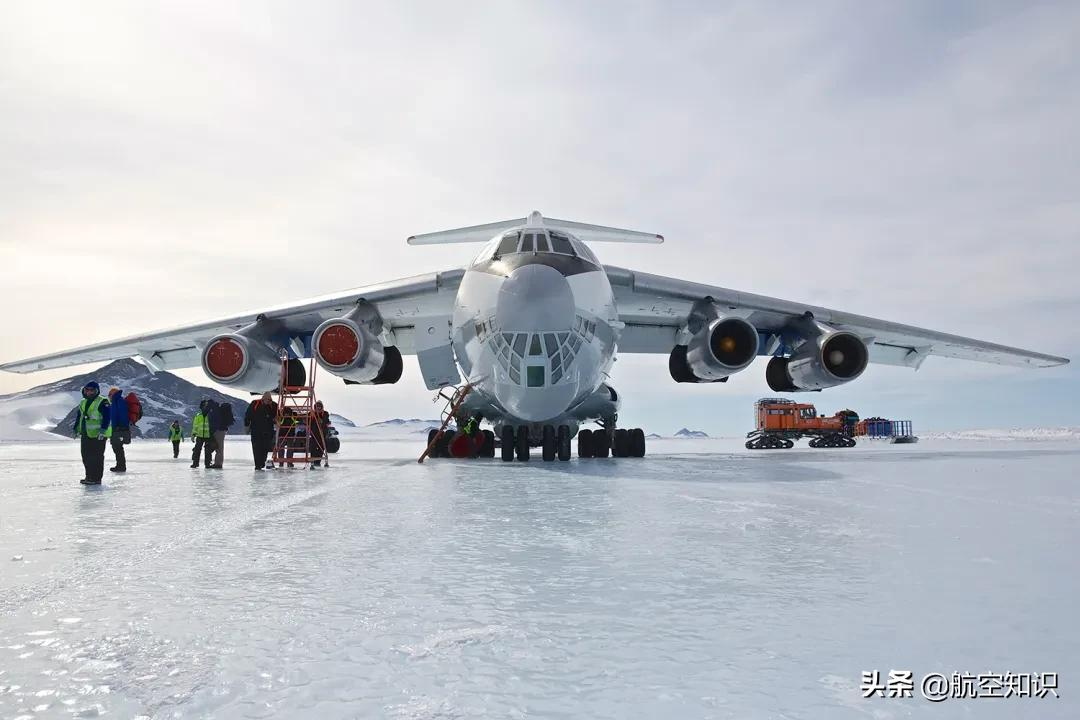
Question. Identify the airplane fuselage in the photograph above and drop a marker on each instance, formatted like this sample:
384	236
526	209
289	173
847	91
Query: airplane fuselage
535	328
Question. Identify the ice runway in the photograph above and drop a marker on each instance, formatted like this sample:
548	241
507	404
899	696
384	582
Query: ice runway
702	582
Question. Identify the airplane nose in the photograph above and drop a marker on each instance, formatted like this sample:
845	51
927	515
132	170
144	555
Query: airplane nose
535	297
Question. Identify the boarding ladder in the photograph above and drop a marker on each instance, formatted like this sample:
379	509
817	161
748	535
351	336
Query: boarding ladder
296	405
449	412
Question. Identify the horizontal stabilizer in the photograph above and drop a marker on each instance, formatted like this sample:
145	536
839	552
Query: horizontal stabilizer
600	233
473	233
583	231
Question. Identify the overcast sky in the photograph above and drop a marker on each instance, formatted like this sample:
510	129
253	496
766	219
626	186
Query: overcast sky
162	163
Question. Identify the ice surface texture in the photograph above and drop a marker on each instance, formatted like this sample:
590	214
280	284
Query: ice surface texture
720	584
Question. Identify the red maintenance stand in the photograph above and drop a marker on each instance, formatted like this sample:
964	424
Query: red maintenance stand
296	404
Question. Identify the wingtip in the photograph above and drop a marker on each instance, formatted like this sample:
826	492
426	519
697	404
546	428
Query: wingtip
411	240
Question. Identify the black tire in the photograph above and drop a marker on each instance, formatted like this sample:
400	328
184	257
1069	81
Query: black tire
585	443
620	445
522	440
488	448
442	447
548	443
333	444
601	443
637	443
508	443
562	443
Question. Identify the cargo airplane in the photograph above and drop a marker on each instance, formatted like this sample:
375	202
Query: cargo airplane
533	326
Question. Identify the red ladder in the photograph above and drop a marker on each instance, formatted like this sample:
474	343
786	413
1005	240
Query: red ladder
297	403
449	413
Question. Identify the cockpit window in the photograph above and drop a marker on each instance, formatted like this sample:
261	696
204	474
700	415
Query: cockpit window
534	376
508	244
534	347
584	251
561	244
541	243
527	243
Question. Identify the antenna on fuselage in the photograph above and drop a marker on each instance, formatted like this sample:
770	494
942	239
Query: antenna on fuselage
583	231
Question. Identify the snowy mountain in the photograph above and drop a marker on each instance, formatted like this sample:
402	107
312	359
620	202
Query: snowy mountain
400	426
340	421
31	414
686	434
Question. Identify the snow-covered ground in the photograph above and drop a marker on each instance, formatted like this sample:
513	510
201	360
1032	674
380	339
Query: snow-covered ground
702	581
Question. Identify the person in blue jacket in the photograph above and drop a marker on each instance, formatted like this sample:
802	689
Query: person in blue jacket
91	429
121	428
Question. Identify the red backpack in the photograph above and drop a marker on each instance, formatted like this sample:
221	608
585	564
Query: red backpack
134	408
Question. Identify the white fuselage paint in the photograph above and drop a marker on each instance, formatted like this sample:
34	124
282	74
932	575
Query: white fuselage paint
535	334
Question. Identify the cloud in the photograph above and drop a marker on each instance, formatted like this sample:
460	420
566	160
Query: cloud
915	162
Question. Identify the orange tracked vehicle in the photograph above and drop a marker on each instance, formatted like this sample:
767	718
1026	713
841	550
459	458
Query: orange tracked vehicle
780	422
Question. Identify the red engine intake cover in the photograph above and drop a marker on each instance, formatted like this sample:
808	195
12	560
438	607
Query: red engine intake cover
338	345
224	358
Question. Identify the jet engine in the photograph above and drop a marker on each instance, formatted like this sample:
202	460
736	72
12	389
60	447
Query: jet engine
243	362
825	360
349	348
719	347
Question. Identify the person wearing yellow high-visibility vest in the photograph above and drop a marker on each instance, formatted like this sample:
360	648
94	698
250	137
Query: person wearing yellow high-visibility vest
201	435
176	434
93	431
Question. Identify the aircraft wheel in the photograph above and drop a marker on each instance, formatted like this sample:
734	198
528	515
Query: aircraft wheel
442	446
585	443
563	443
637	443
621	445
815	443
487	449
508	443
431	436
788	444
548	444
522	438
601	443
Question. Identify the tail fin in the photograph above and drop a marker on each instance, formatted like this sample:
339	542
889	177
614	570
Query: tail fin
583	231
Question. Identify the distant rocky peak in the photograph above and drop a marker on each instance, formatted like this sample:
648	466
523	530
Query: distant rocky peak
687	433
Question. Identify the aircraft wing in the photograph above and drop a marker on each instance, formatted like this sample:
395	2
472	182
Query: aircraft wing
655	308
401	304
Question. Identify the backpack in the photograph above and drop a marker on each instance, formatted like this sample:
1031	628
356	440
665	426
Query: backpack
227	418
134	408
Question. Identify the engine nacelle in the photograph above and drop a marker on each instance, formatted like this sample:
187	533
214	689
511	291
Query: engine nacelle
720	347
242	362
826	360
350	350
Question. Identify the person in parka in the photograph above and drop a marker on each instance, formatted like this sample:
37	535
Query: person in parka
92	429
176	435
221	421
201	435
121	428
260	421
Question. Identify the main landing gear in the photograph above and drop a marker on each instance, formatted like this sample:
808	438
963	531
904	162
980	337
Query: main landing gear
460	445
621	443
555	443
